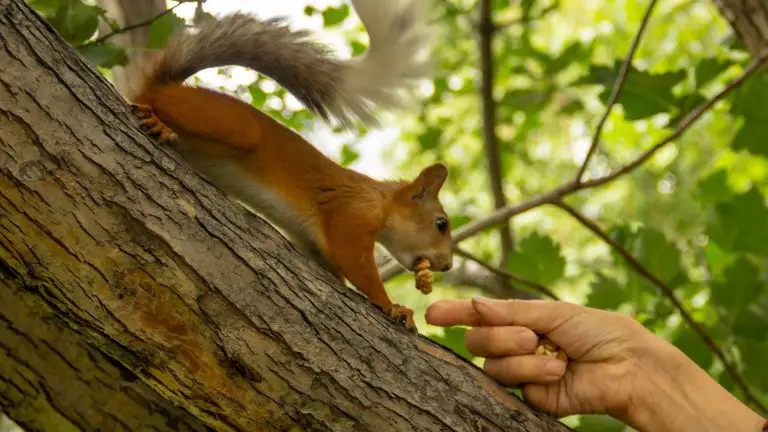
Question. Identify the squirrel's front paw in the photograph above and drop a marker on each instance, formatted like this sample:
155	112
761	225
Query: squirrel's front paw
401	315
152	125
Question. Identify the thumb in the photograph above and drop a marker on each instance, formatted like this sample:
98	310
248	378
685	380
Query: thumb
541	316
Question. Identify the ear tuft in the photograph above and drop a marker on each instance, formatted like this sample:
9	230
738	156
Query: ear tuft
430	180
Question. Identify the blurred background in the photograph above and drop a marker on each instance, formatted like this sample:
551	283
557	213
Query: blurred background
694	215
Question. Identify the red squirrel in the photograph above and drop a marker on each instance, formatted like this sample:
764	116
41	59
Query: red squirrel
335	215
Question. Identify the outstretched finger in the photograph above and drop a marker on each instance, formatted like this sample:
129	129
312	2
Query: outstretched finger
451	312
541	316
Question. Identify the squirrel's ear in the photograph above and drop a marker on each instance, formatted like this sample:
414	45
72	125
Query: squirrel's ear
430	180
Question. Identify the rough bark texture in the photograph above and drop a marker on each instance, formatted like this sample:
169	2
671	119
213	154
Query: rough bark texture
749	19
130	286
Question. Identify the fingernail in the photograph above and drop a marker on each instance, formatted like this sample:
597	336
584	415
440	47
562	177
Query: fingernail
554	368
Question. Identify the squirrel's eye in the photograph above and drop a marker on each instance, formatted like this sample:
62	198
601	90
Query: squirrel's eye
442	224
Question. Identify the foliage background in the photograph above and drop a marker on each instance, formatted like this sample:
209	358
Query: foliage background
695	215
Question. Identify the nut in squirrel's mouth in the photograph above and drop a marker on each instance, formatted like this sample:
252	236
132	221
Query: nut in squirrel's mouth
421	264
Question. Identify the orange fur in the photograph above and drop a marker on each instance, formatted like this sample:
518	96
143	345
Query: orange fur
335	214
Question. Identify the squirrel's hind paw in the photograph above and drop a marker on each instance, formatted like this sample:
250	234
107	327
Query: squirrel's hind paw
152	125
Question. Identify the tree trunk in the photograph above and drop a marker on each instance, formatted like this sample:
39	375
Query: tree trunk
749	20
135	296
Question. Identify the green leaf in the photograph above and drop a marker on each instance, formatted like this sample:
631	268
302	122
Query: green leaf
46	8
741	285
739	224
75	21
104	54
755	354
458	220
348	155
751	98
575	52
752	137
537	258
526	100
693	346
599	423
527	5
607	293
660	256
714	188
430	139
685	105
500	4
357	47
644	94
572	107
162	29
258	96
717	259
749	101
709	69
333	16
310	10
752	323
453	338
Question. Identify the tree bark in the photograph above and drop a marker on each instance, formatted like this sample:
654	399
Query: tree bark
749	20
136	296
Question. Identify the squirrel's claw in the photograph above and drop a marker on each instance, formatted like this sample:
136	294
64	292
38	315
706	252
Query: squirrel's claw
401	315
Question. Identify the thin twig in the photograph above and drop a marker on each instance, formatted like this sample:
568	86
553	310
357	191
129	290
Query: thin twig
133	26
504	273
670	294
618	86
562	191
478	225
490	139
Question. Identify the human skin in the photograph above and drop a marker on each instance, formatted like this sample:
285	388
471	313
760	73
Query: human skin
616	366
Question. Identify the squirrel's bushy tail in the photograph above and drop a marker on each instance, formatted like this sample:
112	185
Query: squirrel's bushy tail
345	90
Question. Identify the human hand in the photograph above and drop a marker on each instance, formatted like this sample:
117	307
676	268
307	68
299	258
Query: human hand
618	367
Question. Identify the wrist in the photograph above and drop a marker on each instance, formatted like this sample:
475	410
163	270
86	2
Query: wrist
680	396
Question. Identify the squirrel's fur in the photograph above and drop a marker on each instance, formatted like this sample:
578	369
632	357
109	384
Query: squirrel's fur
345	90
334	214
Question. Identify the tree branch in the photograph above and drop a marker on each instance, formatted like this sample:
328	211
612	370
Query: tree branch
670	294
507	274
469	273
478	225
684	124
618	86
566	189
490	140
134	26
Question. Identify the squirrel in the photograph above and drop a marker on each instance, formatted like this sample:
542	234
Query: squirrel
333	214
